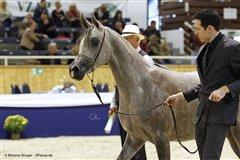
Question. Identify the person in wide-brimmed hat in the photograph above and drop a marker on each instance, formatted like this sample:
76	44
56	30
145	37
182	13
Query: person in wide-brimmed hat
132	30
132	34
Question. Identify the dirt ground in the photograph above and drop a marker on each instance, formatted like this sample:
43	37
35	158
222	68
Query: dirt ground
87	148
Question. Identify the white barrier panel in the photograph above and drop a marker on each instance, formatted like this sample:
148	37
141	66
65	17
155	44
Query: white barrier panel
53	100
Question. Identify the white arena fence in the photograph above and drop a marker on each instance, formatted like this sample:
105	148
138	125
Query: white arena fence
7	58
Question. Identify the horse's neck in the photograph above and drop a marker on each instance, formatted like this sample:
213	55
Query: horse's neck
126	65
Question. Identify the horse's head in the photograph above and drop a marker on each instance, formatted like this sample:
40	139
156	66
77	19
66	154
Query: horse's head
92	51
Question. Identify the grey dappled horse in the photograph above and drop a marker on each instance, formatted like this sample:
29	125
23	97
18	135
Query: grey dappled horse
141	86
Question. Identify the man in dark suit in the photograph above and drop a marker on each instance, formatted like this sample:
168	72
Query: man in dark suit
218	66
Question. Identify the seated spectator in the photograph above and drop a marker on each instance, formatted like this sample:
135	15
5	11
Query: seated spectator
102	14
144	44
28	18
118	18
30	40
152	30
52	51
157	48
23	24
118	27
73	16
6	16
46	26
42	7
58	15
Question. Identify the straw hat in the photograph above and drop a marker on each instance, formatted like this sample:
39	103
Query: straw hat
130	30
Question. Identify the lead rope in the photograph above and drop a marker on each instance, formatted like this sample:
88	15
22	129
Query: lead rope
94	88
173	115
175	127
161	104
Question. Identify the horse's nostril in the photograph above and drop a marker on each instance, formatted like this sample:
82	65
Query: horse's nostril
75	69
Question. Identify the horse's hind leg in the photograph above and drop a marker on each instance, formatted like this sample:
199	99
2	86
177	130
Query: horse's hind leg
234	138
162	144
130	147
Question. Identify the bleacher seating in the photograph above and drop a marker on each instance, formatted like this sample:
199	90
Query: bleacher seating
58	41
9	40
45	40
69	29
8	29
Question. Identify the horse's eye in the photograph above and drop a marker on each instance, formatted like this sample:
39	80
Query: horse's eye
94	41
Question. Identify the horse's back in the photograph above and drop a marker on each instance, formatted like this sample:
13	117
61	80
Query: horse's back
178	81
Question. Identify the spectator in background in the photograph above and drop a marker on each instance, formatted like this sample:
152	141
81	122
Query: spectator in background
28	18
102	14
158	47
23	25
118	18
118	27
30	40
144	44
42	7
6	16
152	30
73	16
58	15
52	51
46	26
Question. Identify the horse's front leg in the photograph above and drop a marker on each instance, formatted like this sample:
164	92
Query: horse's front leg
162	145
130	147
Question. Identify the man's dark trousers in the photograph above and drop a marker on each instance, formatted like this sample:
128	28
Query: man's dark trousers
208	136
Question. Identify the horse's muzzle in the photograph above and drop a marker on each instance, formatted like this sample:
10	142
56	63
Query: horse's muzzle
76	73
79	67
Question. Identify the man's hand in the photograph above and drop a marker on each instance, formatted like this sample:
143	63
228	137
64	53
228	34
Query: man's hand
174	99
218	94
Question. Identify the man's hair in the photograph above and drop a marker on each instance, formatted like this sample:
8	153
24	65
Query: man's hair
209	17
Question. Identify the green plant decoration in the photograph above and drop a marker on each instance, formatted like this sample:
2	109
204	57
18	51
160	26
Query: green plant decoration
15	123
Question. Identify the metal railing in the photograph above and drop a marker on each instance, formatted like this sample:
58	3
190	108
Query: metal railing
7	58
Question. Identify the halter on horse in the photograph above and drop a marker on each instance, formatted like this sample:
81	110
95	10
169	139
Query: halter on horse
141	87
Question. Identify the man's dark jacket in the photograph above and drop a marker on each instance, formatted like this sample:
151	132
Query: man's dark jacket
223	69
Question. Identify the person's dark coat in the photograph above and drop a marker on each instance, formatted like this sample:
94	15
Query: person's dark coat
223	69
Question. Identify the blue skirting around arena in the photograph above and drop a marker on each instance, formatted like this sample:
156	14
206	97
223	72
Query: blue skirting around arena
57	120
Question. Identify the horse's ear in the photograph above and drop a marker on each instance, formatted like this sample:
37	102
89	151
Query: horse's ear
96	22
84	22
